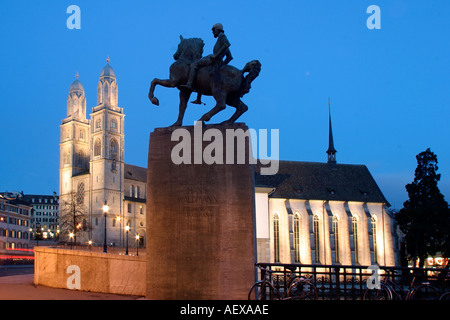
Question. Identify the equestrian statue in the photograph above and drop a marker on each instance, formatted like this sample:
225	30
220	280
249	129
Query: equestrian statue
210	75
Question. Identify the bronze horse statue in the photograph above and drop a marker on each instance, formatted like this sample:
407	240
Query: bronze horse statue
225	83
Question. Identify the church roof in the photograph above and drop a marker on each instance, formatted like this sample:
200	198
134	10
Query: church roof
320	181
76	86
107	71
135	173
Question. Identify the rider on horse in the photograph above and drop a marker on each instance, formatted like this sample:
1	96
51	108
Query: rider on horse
221	49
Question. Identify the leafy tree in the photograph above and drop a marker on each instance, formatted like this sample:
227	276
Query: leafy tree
425	217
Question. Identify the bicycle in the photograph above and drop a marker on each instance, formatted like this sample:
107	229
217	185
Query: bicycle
389	290
299	288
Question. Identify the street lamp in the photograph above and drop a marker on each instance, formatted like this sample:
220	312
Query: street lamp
137	245
105	211
71	239
127	228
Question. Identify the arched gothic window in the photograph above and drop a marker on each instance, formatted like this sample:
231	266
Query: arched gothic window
113	125
316	231
113	148
80	158
336	237
373	222
355	236
97	148
80	193
67	157
296	228
276	238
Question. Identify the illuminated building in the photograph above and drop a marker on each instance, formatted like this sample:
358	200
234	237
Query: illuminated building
93	168
15	222
323	213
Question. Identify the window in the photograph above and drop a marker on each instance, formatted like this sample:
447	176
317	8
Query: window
80	193
97	148
316	238
66	161
80	158
105	90
113	149
98	124
355	236
114	125
336	237
81	134
276	238
129	208
297	237
373	221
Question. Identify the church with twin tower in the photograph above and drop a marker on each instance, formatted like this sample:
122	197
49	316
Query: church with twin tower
93	169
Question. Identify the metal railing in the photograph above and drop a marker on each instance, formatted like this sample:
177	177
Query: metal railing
132	251
340	282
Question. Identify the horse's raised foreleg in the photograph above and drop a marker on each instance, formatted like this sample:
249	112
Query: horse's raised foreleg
165	83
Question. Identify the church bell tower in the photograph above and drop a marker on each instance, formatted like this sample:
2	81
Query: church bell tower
107	151
74	138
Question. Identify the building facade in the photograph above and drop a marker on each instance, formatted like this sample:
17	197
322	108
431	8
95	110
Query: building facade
15	223
323	214
317	213
44	214
93	169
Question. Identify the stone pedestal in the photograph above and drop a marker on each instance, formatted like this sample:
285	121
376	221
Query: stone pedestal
200	217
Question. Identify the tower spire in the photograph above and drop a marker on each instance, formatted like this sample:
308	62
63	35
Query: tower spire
331	150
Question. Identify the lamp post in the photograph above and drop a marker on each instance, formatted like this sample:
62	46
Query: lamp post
120	225
137	245
105	211
127	228
71	235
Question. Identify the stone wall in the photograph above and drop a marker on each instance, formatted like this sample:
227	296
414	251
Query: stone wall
89	271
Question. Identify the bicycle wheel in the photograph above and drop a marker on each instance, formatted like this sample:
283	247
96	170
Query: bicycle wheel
301	289
378	294
445	296
262	290
424	292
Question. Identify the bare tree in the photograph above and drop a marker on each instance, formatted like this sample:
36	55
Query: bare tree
73	215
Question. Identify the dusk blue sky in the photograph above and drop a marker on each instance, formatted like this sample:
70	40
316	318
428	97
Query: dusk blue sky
389	88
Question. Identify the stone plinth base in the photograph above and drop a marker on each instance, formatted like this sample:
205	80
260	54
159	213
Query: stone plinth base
200	227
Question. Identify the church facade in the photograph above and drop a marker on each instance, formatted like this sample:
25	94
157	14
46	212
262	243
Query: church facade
323	214
93	169
317	213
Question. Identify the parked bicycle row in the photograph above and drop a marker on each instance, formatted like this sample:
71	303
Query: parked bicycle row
336	282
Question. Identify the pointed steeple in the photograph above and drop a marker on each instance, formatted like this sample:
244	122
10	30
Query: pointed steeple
107	87
76	101
331	150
